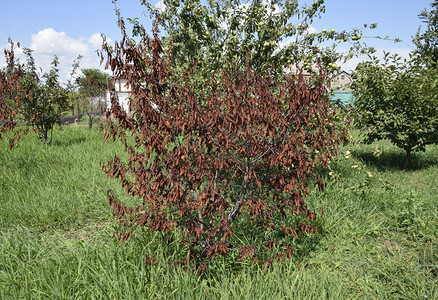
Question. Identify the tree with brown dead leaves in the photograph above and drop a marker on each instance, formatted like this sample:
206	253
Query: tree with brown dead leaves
241	153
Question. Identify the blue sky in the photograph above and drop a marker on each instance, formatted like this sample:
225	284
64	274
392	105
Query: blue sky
69	28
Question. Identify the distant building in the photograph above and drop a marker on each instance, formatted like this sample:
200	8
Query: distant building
296	70
341	81
123	92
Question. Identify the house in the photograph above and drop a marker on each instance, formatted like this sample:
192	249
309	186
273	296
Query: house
295	70
341	87
341	81
123	92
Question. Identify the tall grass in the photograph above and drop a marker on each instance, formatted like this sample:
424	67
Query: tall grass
55	186
56	233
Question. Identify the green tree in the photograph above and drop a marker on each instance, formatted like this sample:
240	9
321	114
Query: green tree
73	95
42	108
220	32
92	87
397	100
30	100
427	41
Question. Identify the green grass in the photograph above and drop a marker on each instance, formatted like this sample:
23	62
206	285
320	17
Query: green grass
55	186
56	233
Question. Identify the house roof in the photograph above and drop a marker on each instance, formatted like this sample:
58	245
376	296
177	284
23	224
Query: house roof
342	72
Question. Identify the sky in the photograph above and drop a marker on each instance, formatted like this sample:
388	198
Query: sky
70	28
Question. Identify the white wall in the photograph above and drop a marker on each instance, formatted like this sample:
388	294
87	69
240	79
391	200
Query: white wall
122	91
123	98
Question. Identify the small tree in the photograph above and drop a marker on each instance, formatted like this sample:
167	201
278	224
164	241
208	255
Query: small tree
11	91
28	100
74	98
398	101
240	154
92	88
42	108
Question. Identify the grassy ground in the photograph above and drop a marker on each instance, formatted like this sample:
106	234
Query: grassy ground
56	232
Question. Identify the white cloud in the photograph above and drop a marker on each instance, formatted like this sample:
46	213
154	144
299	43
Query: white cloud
311	29
96	41
48	42
160	5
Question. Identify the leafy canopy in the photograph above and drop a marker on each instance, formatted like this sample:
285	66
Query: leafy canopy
30	100
93	83
277	33
397	100
92	87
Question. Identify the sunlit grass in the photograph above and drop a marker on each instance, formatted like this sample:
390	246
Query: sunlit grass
57	185
56	233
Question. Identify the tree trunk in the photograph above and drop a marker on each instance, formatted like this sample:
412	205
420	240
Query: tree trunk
78	112
90	120
407	159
